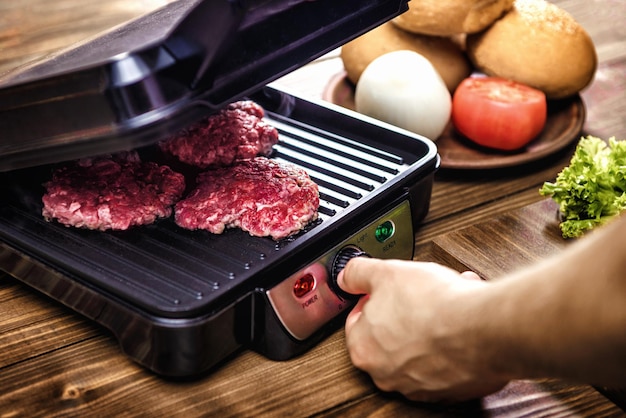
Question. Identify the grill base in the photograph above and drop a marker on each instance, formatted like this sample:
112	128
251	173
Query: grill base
180	302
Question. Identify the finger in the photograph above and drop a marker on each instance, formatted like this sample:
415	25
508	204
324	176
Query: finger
358	276
355	314
470	275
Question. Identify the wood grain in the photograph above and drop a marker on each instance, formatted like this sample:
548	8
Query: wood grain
509	241
33	29
522	398
30	323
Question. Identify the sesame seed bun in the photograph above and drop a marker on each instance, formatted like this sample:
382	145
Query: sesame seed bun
538	44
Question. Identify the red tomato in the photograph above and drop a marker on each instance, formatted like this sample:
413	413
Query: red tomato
498	113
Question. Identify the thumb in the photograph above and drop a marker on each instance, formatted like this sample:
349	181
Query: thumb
357	277
471	275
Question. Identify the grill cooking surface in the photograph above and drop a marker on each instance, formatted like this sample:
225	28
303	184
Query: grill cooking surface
175	272
345	171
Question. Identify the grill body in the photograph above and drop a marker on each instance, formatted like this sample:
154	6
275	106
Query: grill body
181	302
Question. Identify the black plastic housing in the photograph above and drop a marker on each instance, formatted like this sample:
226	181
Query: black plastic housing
180	302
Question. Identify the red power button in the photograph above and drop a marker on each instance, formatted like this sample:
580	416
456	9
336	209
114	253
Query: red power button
304	285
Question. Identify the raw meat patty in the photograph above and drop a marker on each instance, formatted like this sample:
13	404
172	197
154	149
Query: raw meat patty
111	192
235	133
260	196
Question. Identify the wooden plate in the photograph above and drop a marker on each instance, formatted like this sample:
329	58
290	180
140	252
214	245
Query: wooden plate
563	126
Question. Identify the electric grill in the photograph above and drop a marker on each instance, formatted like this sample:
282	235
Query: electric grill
182	302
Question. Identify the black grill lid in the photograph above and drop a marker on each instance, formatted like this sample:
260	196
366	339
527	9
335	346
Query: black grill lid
142	81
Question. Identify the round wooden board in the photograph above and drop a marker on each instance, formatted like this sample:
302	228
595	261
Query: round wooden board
563	126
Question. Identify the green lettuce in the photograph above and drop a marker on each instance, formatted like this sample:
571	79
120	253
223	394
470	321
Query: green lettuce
592	189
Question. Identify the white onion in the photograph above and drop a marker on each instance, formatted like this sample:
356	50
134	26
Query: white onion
404	89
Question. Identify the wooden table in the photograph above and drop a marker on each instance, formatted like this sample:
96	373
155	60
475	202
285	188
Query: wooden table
53	362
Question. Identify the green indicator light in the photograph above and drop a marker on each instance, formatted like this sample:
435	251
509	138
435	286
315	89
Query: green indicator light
384	231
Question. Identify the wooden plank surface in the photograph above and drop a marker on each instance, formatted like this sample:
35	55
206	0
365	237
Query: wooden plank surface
32	29
89	374
55	363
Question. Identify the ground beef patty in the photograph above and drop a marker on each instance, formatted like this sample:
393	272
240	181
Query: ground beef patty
235	133
111	192
260	196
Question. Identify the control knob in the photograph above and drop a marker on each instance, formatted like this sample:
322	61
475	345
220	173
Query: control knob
339	263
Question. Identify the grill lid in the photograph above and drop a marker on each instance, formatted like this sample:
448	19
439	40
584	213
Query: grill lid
140	82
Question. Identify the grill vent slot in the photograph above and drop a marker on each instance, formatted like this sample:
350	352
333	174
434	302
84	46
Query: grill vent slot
344	170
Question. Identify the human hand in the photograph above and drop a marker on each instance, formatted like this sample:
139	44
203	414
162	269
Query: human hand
409	333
